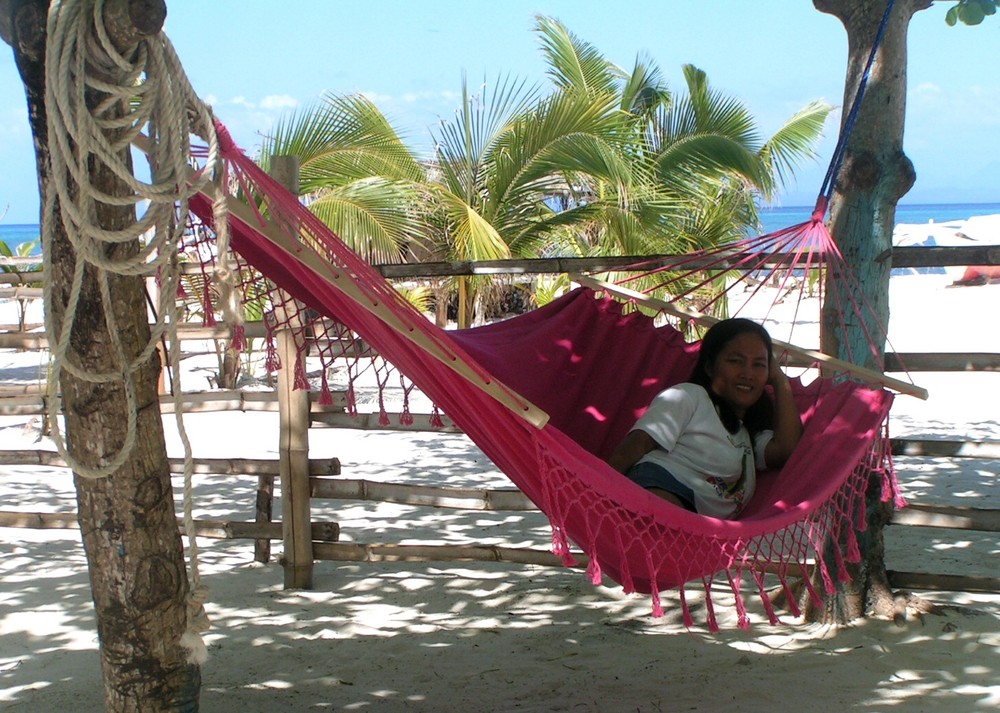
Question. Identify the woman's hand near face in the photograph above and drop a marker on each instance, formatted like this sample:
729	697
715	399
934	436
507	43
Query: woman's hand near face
787	424
775	375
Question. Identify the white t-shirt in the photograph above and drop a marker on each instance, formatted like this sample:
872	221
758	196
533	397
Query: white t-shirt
696	448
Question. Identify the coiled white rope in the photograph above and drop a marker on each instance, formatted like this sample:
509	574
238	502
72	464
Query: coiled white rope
146	92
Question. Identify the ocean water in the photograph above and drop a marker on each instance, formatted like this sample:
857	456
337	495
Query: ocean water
777	218
17	235
771	218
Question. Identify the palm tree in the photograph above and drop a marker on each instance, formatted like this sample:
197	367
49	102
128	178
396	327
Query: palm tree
606	162
470	217
501	162
699	165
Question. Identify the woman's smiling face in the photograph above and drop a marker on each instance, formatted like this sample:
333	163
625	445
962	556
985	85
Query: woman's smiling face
740	371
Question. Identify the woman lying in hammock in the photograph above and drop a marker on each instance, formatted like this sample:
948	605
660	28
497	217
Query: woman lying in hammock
701	442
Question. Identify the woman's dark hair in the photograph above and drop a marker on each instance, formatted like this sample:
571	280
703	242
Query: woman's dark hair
758	417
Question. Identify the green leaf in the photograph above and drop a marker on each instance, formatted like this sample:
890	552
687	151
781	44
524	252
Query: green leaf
951	18
971	13
989	7
369	216
575	65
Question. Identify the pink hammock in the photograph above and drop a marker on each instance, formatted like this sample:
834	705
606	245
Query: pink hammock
592	369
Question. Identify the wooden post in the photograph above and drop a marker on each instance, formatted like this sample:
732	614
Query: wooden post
293	439
263	512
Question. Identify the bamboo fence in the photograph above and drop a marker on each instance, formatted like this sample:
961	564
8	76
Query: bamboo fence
326	482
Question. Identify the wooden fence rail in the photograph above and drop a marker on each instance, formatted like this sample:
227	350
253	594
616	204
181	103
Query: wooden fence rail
222	467
202	466
212	529
912	256
33	402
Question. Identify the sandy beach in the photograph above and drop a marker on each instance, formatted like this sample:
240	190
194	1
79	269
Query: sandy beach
507	637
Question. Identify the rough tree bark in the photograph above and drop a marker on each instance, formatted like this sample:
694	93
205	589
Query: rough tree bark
874	176
128	523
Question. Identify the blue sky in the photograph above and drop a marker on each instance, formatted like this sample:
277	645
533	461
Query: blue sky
257	60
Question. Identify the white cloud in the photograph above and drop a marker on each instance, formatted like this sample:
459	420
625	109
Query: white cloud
927	88
279	101
242	101
960	108
376	98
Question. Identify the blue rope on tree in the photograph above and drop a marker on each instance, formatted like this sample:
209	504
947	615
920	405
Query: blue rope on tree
826	191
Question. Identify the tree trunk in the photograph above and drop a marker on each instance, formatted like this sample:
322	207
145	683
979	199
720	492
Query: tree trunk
230	366
875	174
127	520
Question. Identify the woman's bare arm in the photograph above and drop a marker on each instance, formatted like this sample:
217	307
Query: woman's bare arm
633	447
787	424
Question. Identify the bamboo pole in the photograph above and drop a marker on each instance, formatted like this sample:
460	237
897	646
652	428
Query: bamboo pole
943	582
214	529
293	434
373	422
910	256
422	495
946	516
202	466
938	448
25	401
358	552
867	375
21	292
326	547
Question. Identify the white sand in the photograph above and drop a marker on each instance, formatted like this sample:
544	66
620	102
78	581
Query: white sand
503	637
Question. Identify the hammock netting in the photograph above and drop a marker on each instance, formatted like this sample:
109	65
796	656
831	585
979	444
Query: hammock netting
548	394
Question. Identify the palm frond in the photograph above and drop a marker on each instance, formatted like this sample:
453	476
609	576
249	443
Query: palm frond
713	112
471	237
370	216
796	140
645	90
709	154
575	65
342	139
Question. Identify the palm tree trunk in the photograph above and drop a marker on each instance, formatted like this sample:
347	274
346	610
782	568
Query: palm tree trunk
464	308
127	520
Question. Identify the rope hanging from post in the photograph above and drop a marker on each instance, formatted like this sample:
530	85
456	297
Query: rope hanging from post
146	91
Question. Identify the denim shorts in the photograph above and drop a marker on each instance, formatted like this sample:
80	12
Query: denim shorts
651	475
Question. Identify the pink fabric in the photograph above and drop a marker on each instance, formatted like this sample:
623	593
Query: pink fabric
593	370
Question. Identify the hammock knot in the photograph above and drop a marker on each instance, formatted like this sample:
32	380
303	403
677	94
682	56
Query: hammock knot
819	212
226	143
